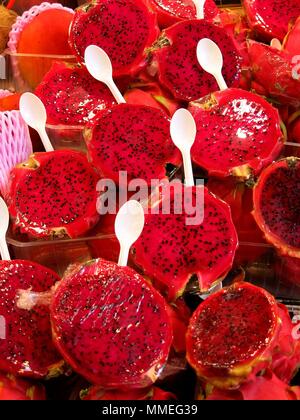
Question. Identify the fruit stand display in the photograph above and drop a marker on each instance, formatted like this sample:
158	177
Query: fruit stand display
200	311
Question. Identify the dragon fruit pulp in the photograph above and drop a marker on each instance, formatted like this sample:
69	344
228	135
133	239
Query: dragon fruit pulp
173	247
264	387
271	18
276	205
71	96
238	133
275	73
170	12
54	195
235	334
111	326
26	346
132	138
17	389
97	393
175	60
123	29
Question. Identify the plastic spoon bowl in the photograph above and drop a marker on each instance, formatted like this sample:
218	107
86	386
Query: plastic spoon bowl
129	225
210	59
99	66
199	4
4	223
34	114
183	132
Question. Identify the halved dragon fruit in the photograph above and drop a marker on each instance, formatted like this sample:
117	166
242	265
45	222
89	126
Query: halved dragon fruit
54	195
124	30
26	346
175	61
238	133
111	325
271	18
276	205
132	138
275	73
17	389
71	96
231	335
176	243
170	12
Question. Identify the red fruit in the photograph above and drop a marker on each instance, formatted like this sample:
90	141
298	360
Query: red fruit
292	40
176	244
54	194
43	33
264	387
231	334
16	389
177	65
275	72
71	96
238	133
26	346
170	12
10	102
294	128
271	18
98	393
141	144
124	30
111	326
179	316
276	205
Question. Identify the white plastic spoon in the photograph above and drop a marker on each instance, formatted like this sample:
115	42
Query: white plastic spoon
129	225
199	4
4	223
99	66
34	114
183	132
210	59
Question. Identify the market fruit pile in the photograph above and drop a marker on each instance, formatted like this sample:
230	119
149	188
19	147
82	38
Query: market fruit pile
184	319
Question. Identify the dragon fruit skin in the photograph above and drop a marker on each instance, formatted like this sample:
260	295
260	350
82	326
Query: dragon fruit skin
141	145
175	61
238	133
54	195
28	349
292	39
71	96
111	326
271	18
170	12
216	345
274	73
96	393
124	30
276	194
17	389
170	251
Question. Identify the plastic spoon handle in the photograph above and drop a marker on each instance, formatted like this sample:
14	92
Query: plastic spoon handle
188	169
115	91
4	223
221	81
123	256
199	4
45	139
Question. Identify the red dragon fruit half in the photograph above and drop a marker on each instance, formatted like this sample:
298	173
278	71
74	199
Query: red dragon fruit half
234	334
17	389
276	205
71	96
26	346
175	60
54	195
171	249
238	133
111	325
132	138
123	29
170	12
271	18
